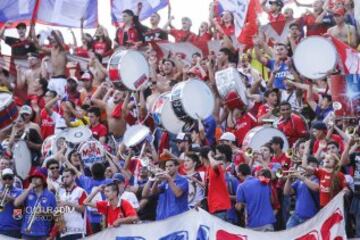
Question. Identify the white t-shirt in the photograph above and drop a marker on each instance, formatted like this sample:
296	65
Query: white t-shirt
131	198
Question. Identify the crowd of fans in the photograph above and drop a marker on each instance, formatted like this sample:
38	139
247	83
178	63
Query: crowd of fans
208	167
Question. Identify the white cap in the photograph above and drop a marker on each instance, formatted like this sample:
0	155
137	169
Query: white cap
180	136
26	109
7	171
228	136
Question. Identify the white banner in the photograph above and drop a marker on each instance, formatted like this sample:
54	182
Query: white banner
328	224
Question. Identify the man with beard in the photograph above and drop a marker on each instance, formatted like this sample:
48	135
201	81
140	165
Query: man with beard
71	199
165	82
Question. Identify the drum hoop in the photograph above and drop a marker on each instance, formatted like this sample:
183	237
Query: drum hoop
317	37
181	94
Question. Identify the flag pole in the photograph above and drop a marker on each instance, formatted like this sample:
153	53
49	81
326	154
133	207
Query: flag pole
35	12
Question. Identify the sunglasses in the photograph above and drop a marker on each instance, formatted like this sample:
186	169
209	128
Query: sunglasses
53	168
7	178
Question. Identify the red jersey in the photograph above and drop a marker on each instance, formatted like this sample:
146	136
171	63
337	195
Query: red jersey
99	130
263	109
276	18
202	42
218	195
325	184
293	128
127	37
47	124
124	209
183	36
243	125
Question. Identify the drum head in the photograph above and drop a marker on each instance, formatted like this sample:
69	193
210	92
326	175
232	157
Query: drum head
314	57
196	97
5	100
76	135
91	152
135	135
134	70
163	110
22	159
261	135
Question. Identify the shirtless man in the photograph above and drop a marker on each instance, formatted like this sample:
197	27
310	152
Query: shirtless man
112	101
58	63
30	76
343	31
164	83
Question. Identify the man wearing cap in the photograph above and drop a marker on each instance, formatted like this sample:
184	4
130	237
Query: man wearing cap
342	31
27	113
30	77
19	46
119	180
10	217
116	211
38	200
229	139
183	144
87	89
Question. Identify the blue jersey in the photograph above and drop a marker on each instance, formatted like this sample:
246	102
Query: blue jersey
170	205
280	73
257	198
42	224
307	201
10	216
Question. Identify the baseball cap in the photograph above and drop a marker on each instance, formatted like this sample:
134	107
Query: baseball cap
26	109
86	76
118	178
340	11
319	125
7	172
33	54
21	25
228	136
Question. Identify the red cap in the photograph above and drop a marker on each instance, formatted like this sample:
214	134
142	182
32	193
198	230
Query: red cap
340	11
86	77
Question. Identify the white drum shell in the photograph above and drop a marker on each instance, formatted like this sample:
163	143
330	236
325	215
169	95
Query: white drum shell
229	80
135	134
163	111
196	97
22	159
261	135
314	57
132	67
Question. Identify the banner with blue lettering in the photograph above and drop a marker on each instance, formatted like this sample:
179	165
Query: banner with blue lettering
148	7
329	223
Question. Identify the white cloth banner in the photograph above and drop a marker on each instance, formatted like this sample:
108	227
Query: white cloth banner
328	224
357	10
239	9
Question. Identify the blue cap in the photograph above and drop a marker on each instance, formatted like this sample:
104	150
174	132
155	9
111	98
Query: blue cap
319	125
117	177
